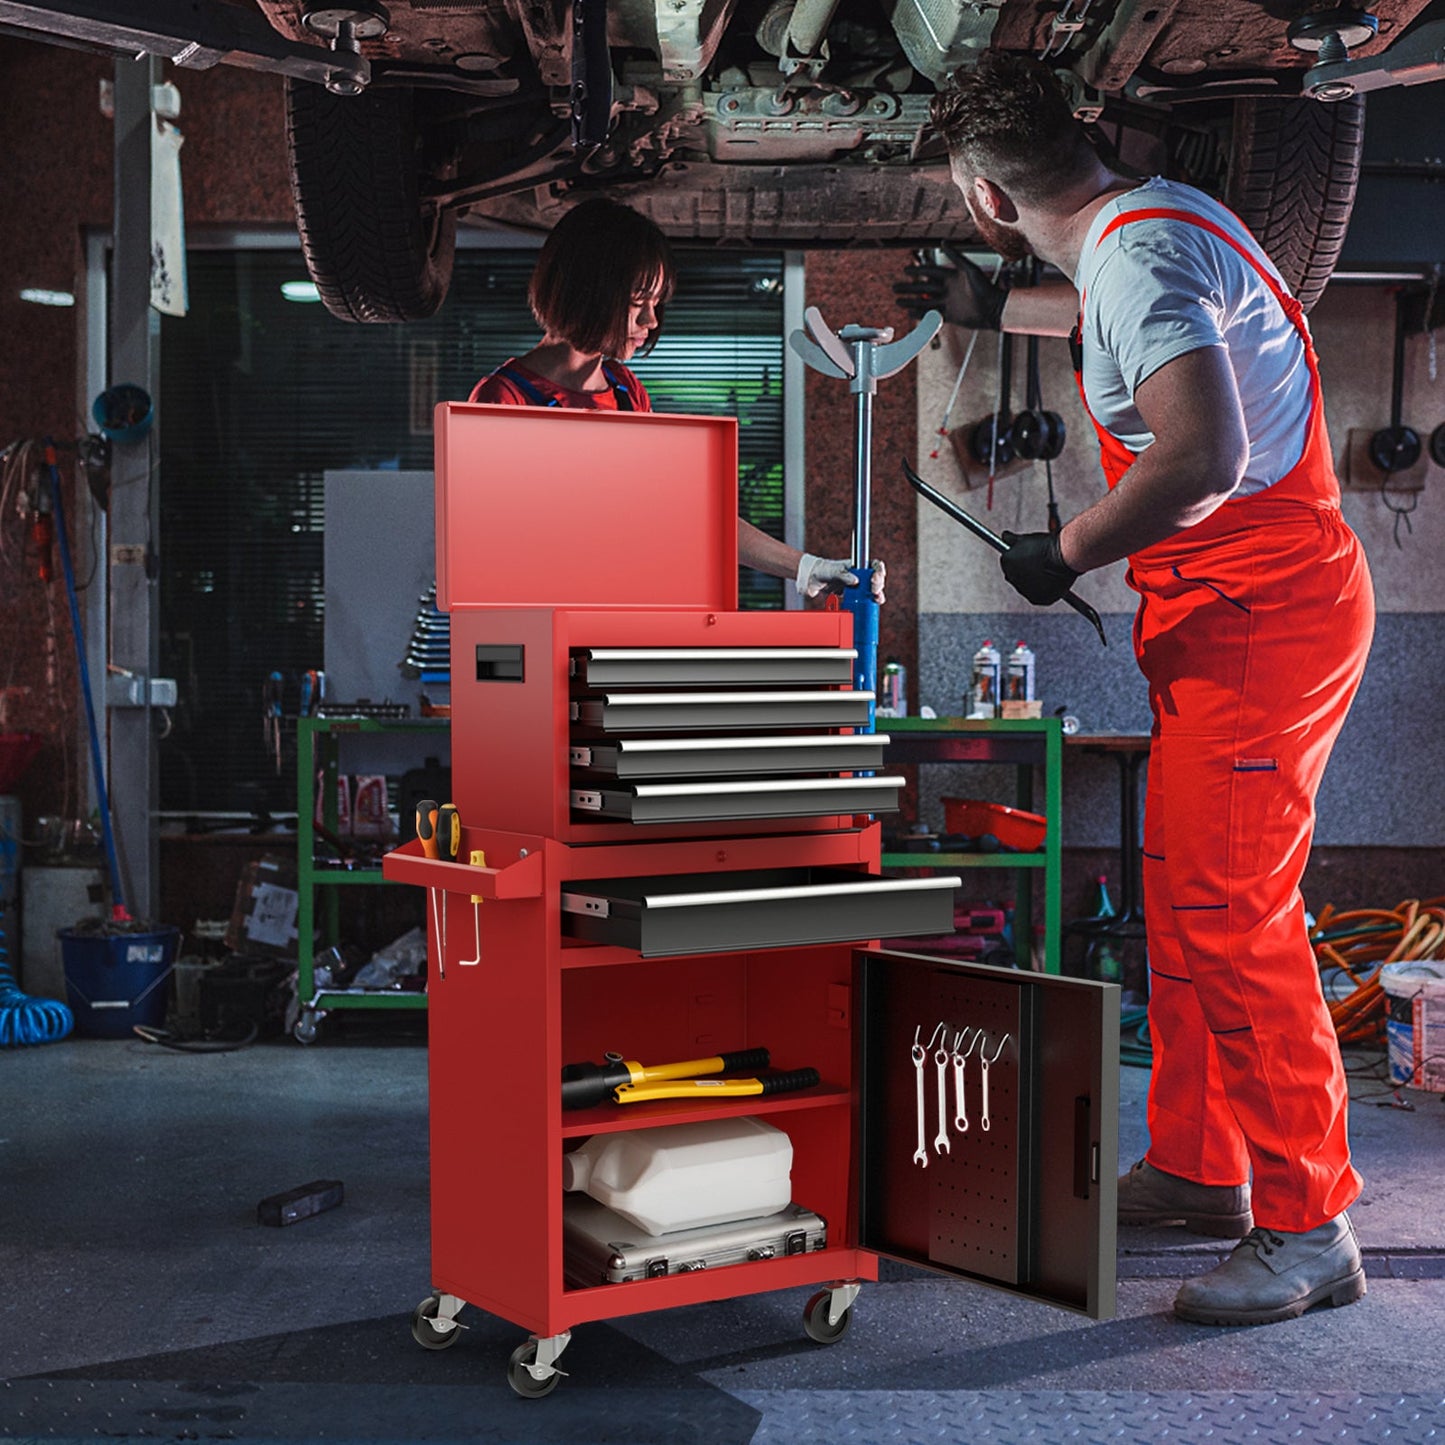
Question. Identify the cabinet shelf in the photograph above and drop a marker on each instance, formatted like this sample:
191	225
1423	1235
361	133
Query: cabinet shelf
331	877
613	1118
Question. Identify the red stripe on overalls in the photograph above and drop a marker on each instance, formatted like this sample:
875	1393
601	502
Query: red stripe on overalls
1252	632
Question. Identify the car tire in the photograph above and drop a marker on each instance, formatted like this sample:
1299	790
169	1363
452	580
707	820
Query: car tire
1294	165
373	251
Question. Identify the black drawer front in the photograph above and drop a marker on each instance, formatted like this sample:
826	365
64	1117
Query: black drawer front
622	712
771	908
717	802
637	759
607	667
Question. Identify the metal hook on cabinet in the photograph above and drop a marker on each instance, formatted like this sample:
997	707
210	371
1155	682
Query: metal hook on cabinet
991	1062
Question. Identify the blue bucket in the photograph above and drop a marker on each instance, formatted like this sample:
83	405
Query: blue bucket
114	981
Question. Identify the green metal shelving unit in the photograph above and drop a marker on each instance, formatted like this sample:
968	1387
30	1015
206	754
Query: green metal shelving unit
1029	744
318	746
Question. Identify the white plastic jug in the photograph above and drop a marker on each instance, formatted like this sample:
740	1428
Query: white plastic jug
684	1176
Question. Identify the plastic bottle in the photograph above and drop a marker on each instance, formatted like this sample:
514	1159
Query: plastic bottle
685	1176
1102	957
983	692
893	690
1018	680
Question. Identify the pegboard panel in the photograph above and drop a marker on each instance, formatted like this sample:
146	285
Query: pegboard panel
979	1185
969	1207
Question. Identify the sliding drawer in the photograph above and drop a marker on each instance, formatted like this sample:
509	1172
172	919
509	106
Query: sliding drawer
639	758
771	908
601	667
626	712
754	798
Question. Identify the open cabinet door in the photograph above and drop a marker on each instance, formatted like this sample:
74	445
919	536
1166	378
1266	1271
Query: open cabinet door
1027	1204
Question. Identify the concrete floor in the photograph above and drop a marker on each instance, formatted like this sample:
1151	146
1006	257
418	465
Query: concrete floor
140	1298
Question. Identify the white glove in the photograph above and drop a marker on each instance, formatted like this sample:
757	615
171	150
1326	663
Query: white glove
819	574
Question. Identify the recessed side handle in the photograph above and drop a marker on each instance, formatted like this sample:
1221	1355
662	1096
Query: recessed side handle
1086	1148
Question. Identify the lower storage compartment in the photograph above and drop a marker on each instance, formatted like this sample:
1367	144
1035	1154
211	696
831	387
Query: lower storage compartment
766	908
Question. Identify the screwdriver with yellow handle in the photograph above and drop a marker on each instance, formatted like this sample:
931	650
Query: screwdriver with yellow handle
624	1081
440	832
426	826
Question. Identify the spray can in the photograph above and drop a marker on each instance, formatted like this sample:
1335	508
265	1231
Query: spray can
893	690
983	692
1018	678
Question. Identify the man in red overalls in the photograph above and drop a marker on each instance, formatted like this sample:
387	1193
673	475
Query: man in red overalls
1255	617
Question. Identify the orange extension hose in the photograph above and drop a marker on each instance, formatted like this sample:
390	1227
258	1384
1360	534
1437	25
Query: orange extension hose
1360	942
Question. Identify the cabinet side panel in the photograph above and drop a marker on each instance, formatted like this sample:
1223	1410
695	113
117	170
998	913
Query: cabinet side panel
493	1066
508	752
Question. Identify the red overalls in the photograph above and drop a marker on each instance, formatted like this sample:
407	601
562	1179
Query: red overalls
1252	632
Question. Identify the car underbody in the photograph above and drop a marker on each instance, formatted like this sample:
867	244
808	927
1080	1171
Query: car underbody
763	122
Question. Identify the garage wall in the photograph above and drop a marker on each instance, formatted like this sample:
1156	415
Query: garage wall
1382	786
58	182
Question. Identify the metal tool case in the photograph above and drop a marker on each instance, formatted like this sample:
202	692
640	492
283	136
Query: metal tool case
565	930
601	1247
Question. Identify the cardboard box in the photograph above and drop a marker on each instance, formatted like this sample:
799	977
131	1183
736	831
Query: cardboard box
264	917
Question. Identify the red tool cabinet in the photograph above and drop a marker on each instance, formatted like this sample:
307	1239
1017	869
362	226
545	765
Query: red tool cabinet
718	927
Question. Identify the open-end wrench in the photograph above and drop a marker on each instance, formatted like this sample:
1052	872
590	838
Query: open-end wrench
940	1140
920	1057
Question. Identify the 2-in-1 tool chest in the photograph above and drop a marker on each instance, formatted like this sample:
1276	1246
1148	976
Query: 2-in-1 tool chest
668	851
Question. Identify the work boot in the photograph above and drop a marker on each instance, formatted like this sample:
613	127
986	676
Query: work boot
1150	1196
1274	1276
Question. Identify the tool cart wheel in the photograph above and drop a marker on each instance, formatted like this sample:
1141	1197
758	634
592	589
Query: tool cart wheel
815	1320
425	1333
304	1029
522	1381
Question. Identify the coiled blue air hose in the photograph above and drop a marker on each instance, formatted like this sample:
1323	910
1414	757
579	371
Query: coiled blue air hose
27	1020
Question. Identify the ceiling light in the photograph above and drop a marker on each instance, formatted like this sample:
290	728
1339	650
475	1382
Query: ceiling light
300	291
41	297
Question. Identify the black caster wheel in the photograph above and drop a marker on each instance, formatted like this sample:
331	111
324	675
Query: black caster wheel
304	1029
519	1378
815	1320
425	1333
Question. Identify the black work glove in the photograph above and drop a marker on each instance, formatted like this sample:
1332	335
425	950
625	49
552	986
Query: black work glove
962	292
1034	566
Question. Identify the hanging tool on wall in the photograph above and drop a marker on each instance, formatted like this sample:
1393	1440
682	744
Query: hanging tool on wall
1038	434
863	356
271	716
952	509
624	1081
118	910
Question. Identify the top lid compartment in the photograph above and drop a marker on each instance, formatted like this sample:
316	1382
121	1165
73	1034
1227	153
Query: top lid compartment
549	507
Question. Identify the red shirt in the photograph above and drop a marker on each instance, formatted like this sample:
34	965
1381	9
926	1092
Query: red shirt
502	389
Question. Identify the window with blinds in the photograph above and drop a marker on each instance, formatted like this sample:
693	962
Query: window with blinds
262	396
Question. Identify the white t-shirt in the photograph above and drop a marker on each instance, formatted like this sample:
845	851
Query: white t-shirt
1155	289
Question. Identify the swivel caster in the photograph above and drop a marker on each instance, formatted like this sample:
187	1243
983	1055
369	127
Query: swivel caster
532	1370
828	1314
304	1029
433	1330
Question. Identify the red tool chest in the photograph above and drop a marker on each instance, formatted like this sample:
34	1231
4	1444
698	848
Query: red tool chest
670	812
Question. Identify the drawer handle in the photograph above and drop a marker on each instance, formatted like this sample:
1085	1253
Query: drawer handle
801	890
